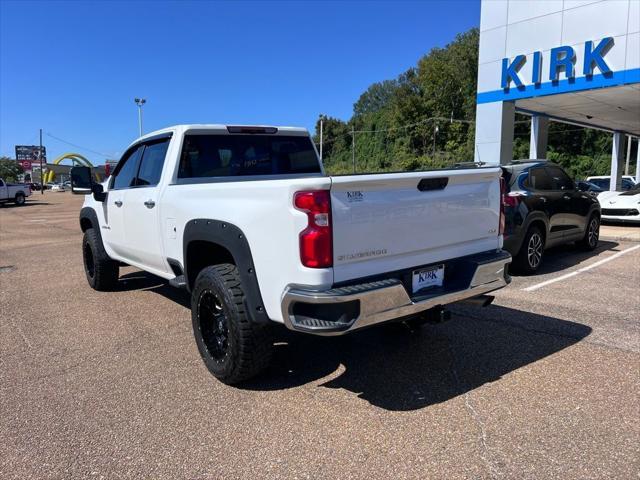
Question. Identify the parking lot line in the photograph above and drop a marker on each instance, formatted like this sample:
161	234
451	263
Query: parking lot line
580	270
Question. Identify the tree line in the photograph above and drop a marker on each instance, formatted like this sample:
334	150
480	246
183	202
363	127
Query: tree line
424	119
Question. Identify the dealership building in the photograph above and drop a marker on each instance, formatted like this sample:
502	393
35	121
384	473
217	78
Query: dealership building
571	61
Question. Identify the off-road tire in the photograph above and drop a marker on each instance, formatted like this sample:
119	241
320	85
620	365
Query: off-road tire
102	272
528	260
20	199
591	235
234	348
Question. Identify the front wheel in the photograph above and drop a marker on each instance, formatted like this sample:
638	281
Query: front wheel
233	347
591	235
20	199
101	271
529	258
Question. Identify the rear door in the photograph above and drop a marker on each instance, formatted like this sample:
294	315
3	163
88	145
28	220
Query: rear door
551	201
141	219
575	204
387	222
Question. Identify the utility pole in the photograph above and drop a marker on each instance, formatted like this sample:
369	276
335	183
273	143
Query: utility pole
321	122
140	102
353	147
41	172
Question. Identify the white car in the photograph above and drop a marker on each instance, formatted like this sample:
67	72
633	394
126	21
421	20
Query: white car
621	206
58	187
603	181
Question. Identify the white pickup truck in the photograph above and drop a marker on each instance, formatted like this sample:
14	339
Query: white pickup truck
13	192
246	220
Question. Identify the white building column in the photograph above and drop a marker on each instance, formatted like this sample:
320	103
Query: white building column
638	161
629	144
539	137
494	132
617	161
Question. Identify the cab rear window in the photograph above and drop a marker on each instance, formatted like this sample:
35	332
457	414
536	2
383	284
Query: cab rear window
205	156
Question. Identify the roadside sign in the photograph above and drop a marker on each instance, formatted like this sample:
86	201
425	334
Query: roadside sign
31	153
26	164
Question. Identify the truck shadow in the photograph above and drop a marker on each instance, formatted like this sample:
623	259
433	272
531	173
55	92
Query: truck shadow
399	370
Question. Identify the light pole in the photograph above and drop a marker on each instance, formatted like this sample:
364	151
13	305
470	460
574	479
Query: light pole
321	122
140	102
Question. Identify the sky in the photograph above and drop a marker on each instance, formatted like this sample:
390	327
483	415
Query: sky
73	68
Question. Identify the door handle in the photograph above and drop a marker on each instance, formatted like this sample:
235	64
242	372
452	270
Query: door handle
567	197
543	199
149	204
118	203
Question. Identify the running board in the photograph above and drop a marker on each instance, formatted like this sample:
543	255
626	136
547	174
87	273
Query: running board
178	282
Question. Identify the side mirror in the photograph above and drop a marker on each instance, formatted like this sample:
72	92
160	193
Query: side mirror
98	192
81	180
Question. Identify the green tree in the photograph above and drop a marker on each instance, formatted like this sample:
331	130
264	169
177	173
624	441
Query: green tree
10	169
396	121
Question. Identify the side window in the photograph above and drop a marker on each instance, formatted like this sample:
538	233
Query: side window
152	163
1	183
559	179
125	174
538	179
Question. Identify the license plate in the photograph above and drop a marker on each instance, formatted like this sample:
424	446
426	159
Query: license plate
428	277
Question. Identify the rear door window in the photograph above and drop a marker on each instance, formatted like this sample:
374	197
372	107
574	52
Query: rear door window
539	179
559	179
246	154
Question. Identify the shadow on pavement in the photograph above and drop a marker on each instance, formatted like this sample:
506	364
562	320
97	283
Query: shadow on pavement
397	369
26	204
145	281
562	257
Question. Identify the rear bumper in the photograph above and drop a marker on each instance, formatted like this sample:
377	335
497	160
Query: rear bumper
346	308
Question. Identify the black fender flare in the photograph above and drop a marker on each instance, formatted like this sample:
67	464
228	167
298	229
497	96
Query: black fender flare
235	241
88	213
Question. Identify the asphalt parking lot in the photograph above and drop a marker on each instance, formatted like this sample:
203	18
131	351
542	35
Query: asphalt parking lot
545	383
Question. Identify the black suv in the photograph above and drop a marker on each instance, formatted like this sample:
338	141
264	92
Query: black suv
543	207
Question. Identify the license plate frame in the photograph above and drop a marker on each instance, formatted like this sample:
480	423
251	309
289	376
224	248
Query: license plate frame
428	277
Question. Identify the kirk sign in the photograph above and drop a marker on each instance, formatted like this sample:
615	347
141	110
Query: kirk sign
561	61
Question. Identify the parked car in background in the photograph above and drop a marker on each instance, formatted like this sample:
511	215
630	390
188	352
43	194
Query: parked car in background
14	192
58	187
590	187
621	206
543	207
603	181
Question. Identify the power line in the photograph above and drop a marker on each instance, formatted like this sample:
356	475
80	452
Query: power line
75	145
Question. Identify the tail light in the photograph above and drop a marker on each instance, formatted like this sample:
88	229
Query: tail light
316	250
510	199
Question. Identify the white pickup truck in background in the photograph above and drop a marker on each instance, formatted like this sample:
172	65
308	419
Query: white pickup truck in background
246	220
14	192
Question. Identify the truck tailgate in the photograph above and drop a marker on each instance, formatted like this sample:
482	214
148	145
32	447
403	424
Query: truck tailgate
388	222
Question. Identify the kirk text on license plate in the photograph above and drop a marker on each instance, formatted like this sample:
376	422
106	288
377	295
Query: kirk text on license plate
428	277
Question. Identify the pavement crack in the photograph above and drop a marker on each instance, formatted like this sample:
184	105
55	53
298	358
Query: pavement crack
486	454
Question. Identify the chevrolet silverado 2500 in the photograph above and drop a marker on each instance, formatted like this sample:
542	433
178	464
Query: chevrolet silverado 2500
247	221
